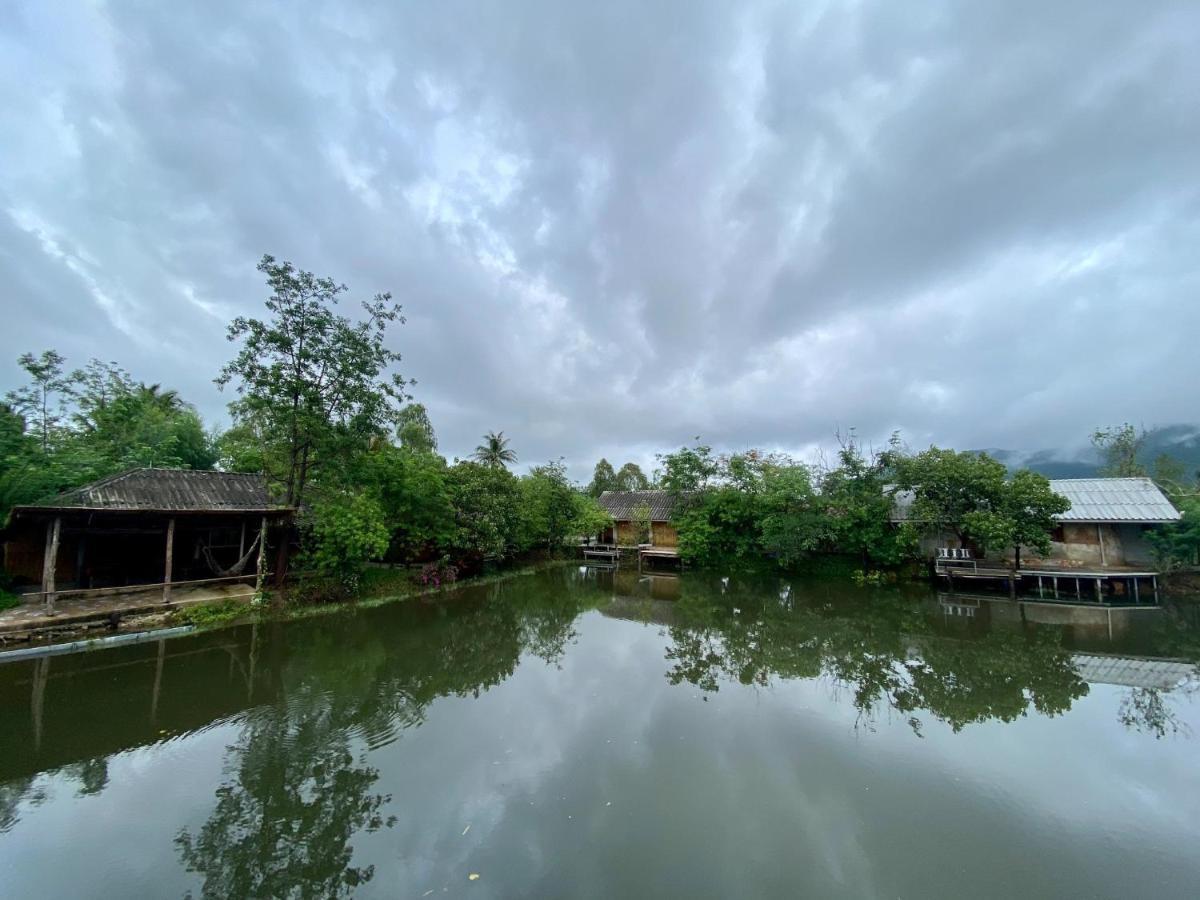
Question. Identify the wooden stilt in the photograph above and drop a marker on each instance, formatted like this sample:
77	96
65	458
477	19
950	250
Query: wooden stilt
41	674
1136	597
50	563
170	560
158	671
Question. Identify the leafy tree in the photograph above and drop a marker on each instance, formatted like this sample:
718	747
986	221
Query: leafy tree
792	523
687	469
948	486
1177	544
1120	446
41	401
412	491
313	382
415	431
603	479
487	517
494	451
549	507
344	532
858	507
1022	514
631	478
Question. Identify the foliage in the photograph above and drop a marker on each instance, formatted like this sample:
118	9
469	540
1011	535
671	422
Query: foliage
344	532
494	451
220	612
603	479
631	478
435	574
415	431
642	523
857	502
687	469
487	519
1177	544
949	485
8	600
311	381
412	489
549	507
93	422
970	495
1119	447
756	505
41	401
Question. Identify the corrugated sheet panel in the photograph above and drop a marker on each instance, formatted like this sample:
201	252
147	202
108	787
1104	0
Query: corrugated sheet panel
621	504
1128	671
1092	500
1114	500
177	490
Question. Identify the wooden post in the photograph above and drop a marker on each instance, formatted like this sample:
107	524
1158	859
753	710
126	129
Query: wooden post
158	671
170	559
262	556
50	563
1136	599
1100	537
242	542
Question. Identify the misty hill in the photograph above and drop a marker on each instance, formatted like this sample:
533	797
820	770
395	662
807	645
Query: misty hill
1181	442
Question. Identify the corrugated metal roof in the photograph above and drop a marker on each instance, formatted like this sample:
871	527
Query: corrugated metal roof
1114	500
168	490
621	505
1130	671
1135	500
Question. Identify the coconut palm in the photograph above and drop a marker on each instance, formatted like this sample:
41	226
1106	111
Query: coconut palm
494	450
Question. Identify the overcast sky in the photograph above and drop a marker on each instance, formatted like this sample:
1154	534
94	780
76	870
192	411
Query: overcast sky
615	226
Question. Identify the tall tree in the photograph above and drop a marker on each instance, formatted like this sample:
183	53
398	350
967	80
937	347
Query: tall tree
1120	446
41	401
603	478
313	380
948	485
631	478
415	431
494	451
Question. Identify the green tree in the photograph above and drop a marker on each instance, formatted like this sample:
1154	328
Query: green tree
687	469
858	507
344	532
415	431
1120	447
41	401
1022	514
549	507
1177	544
948	486
487	517
312	381
603	479
630	477
412	491
494	451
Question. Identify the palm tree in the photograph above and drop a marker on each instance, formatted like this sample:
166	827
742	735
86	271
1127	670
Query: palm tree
494	450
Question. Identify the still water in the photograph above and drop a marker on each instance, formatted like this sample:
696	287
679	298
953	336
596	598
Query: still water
590	734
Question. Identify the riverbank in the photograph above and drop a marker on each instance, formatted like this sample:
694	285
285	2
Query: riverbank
145	612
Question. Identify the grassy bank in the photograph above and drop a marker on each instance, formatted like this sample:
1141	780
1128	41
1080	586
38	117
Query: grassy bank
378	587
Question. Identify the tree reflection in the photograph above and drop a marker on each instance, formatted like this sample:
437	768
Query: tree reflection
298	785
886	650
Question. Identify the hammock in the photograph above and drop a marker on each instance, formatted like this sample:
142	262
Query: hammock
237	568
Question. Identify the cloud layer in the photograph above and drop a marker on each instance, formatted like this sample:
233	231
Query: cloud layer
617	226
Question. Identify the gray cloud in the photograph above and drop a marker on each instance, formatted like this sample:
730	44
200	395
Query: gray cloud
615	227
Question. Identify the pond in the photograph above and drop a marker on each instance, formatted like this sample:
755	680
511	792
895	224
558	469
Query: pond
588	733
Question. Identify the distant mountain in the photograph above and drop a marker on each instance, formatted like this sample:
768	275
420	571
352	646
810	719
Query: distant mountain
1180	442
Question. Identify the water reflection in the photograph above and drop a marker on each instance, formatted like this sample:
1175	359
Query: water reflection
309	703
960	659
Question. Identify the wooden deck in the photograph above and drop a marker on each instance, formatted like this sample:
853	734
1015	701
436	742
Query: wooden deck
1091	584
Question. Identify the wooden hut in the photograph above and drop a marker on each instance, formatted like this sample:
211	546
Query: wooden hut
146	527
634	510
